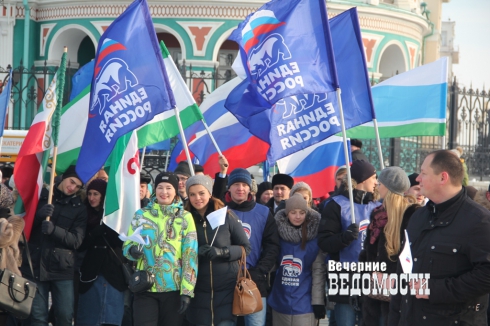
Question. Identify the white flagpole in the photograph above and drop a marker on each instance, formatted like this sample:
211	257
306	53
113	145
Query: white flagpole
212	139
143	157
346	155
378	144
186	148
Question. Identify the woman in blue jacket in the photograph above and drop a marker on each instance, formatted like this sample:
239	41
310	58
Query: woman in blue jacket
292	299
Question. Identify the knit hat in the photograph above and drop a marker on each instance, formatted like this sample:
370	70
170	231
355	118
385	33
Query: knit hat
240	175
98	185
395	179
145	178
183	168
296	201
412	177
198	168
202	180
71	172
168	177
361	170
282	179
356	142
266	185
301	185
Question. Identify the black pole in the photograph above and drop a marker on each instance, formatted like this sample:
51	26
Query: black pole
453	111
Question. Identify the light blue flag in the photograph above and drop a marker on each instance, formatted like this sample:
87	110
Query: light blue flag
4	102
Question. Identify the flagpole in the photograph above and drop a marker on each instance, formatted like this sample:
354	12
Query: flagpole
378	143
212	139
143	157
182	135
56	125
346	156
166	159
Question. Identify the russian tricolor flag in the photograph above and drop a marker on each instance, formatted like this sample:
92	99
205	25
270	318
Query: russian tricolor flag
316	165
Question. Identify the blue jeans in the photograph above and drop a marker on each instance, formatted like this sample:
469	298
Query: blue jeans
345	315
258	318
62	296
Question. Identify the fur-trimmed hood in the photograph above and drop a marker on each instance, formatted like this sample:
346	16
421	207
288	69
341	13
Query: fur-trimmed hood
290	233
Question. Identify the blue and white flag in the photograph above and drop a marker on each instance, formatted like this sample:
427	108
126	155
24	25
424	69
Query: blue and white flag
299	121
4	102
129	87
286	49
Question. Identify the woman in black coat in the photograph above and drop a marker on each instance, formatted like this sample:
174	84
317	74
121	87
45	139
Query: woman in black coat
102	283
384	235
219	250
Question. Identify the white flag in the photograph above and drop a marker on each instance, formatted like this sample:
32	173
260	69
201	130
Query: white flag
406	256
217	217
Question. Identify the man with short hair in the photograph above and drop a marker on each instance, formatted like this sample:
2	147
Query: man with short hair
261	229
449	240
183	173
414	189
356	151
281	187
52	246
145	180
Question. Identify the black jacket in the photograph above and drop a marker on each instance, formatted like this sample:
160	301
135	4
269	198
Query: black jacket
451	242
358	155
100	259
53	256
216	279
270	245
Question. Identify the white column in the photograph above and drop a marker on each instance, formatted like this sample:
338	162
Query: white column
7	23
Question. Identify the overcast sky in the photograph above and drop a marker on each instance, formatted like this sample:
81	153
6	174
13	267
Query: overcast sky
472	30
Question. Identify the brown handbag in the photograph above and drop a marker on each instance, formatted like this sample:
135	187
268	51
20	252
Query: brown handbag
246	299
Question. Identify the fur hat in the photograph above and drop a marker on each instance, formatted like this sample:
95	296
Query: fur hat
240	175
361	171
395	179
98	185
412	177
71	172
356	142
167	177
296	201
282	179
183	168
202	180
301	185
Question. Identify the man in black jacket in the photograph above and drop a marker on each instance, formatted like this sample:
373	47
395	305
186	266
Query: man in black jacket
261	229
52	245
449	240
281	187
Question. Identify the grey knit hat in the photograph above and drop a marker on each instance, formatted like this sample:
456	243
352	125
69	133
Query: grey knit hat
301	185
199	179
395	179
296	201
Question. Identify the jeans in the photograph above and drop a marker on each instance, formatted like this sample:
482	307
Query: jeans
258	318
63	297
345	315
223	323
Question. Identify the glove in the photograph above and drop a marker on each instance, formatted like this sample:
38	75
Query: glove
256	275
355	303
203	250
215	253
135	252
351	234
184	303
47	227
45	211
319	311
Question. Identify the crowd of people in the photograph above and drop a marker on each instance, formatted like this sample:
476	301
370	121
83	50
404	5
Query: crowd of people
289	238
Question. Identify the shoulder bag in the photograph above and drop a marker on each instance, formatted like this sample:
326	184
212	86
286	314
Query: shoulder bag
16	292
127	267
246	299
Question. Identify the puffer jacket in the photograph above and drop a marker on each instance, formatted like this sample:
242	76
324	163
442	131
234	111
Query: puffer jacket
53	256
213	295
172	243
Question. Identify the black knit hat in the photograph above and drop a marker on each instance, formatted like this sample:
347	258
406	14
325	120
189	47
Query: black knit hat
168	177
282	179
412	178
198	168
183	168
266	185
71	172
145	178
361	170
356	142
98	185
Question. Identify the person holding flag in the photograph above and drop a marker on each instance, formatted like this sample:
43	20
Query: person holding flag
219	250
170	253
57	231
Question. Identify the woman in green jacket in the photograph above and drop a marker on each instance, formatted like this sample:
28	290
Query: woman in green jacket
170	254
